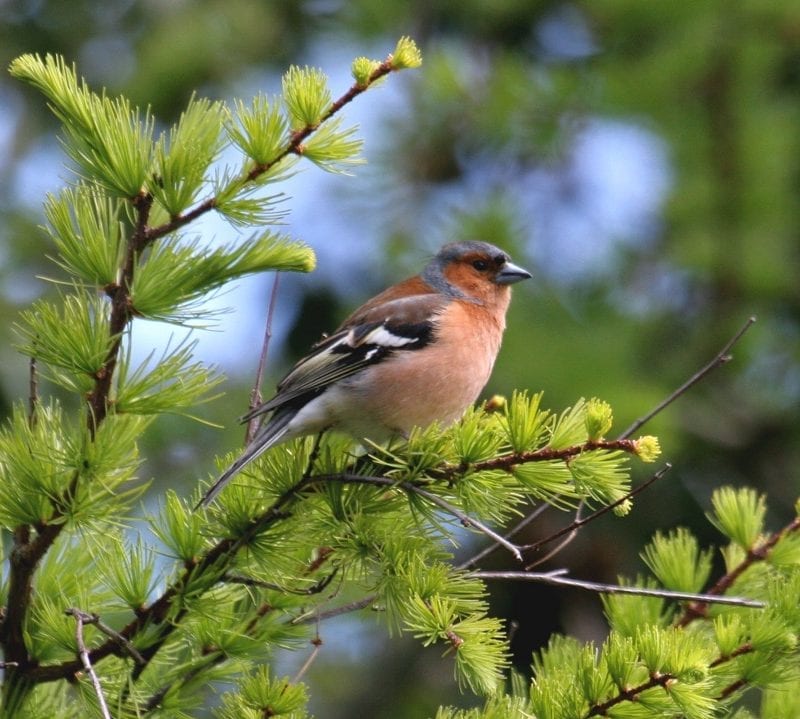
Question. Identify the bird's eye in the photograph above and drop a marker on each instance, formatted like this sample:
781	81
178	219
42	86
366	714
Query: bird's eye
480	265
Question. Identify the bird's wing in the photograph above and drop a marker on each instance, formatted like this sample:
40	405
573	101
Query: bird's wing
369	337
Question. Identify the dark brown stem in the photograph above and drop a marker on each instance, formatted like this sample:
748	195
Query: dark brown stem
732	689
158	613
293	147
320	586
757	553
629	695
27	552
745	648
121	313
546	454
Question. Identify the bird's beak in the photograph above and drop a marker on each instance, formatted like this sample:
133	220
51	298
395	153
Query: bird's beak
510	274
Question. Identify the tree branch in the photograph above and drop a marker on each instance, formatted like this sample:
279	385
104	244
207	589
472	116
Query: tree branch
315	588
26	554
293	147
630	695
722	357
571	528
486	551
546	454
558	578
758	553
121	312
353	606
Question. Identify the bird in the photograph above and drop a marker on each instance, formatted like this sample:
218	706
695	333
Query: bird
417	353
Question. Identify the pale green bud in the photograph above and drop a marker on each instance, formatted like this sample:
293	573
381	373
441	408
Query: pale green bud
647	448
406	54
599	418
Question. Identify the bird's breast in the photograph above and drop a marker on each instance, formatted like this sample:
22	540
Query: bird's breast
414	388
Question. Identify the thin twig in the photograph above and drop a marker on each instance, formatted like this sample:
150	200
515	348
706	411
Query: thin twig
571	530
464	518
576	524
721	358
558	578
317	644
313	455
732	688
315	588
354	606
411	488
212	659
129	649
579	522
255	395
630	695
82	618
33	391
486	551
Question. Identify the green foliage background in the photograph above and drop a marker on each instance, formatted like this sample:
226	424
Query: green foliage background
718	82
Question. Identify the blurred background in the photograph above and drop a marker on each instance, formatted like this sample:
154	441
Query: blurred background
641	159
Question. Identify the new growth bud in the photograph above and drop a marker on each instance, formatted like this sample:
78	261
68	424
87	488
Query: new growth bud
599	418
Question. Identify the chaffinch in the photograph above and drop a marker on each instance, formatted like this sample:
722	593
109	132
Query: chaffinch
418	352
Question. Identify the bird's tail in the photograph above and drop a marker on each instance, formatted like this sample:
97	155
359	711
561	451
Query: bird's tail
270	434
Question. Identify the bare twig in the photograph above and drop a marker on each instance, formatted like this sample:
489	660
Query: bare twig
486	551
33	391
316	642
124	644
355	606
569	536
579	522
721	358
571	530
255	395
464	518
558	578
313	455
212	659
82	618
